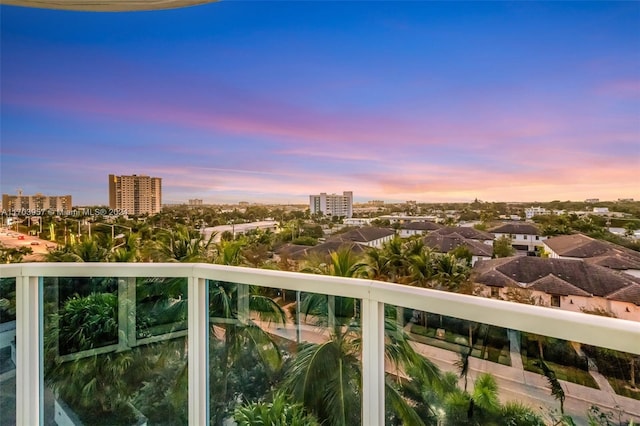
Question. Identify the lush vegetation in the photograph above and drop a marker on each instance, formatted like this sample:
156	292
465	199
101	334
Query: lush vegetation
258	375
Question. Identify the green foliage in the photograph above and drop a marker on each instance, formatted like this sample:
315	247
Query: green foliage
279	412
180	244
462	253
305	241
13	254
451	272
88	322
485	393
161	305
7	299
502	247
244	358
517	414
312	231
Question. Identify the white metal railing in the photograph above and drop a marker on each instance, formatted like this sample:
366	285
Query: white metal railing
621	335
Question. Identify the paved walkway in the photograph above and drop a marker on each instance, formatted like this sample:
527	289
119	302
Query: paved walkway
602	381
514	349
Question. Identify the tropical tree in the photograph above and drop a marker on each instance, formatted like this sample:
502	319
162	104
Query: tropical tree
87	250
236	337
327	377
128	251
451	272
480	407
13	254
502	247
422	267
376	265
180	244
279	412
230	253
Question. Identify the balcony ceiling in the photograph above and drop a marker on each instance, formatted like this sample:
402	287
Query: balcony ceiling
105	5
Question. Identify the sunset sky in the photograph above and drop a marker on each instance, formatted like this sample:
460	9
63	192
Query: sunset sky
273	101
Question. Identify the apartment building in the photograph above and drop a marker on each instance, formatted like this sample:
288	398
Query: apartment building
135	194
332	204
34	203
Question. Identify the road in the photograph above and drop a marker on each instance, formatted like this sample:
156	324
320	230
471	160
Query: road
11	239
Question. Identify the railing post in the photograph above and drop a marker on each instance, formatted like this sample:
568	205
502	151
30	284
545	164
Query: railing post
331	312
372	363
126	312
243	302
29	379
198	351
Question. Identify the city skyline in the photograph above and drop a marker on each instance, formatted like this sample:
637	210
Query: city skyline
273	101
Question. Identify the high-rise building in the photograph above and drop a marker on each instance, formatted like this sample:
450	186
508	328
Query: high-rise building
135	194
37	202
332	204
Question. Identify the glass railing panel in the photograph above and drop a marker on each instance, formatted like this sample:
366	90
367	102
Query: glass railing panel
473	373
7	351
115	350
161	306
299	352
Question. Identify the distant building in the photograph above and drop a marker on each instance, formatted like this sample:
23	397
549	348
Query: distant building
377	203
405	218
601	210
357	221
135	194
592	200
523	236
530	212
33	203
332	204
195	202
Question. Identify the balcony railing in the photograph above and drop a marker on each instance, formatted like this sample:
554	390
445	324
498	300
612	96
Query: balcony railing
159	311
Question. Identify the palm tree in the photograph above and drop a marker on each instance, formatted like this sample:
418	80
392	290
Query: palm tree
13	254
180	244
230	253
450	272
480	407
234	334
397	264
422	267
327	378
87	250
376	265
279	412
343	263
128	252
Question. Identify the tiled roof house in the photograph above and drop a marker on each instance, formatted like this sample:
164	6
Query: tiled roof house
597	252
562	283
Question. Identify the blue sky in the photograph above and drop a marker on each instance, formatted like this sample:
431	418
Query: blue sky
272	101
